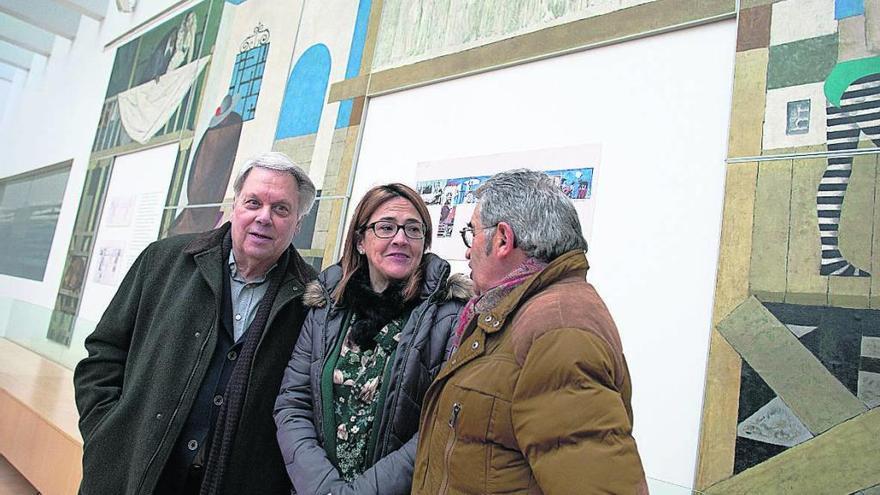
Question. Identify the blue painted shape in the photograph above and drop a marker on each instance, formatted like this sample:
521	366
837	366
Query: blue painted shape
355	56
247	77
236	2
344	116
848	8
304	96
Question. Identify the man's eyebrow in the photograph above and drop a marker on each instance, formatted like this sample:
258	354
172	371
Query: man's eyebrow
470	224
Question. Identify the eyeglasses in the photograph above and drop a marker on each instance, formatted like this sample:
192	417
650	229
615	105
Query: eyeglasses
387	230
467	234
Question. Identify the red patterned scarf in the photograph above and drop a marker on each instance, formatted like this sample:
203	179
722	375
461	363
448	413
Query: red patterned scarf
491	298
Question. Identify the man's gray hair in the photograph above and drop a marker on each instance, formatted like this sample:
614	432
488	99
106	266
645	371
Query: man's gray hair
274	160
543	219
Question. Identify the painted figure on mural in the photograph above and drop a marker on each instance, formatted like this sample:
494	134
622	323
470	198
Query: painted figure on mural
210	170
176	49
853	93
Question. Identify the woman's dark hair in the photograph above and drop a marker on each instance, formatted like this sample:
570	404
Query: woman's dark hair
352	261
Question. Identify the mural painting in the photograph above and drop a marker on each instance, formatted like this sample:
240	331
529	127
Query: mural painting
176	84
793	383
152	97
318	135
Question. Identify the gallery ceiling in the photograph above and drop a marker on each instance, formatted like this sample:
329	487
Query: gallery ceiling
29	27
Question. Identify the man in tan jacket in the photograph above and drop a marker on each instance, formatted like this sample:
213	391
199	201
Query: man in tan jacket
536	399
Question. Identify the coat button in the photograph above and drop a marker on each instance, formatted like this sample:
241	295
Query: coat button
496	323
192	445
231	355
158	415
237	317
475	345
197	334
488	318
218	400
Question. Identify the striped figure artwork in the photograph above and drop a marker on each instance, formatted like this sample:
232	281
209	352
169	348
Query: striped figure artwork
852	90
855	111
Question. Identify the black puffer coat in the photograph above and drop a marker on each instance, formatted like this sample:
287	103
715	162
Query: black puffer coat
424	346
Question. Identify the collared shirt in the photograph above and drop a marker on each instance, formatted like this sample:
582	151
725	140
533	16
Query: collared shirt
246	297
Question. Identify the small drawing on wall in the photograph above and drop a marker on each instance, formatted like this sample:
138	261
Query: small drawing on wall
432	191
108	263
798	121
447	219
119	211
450	191
574	183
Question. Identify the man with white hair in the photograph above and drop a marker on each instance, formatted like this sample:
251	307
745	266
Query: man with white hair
537	397
177	391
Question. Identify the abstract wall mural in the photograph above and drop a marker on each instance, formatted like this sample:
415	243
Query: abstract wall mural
211	170
152	98
238	111
318	135
792	386
414	30
247	74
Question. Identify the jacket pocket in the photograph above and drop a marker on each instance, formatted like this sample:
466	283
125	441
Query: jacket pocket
105	456
103	411
486	446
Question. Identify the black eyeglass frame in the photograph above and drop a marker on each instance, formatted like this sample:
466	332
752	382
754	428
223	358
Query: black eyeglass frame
473	230
372	226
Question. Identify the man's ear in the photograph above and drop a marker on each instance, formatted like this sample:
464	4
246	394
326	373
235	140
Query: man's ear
505	239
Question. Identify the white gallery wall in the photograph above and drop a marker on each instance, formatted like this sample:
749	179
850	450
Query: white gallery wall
658	108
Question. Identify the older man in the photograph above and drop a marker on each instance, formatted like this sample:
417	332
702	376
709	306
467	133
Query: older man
177	391
537	397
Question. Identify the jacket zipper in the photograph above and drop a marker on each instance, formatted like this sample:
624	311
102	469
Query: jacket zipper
429	302
450	444
393	405
176	408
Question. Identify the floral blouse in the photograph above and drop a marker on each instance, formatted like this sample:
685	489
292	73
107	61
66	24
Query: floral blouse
358	394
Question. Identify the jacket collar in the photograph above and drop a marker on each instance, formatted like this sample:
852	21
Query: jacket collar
570	264
206	249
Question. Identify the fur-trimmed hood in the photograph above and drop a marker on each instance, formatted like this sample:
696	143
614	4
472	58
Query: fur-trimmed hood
457	287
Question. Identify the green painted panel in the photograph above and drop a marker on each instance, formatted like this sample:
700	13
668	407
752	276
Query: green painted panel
770	231
874	298
805	285
815	396
801	62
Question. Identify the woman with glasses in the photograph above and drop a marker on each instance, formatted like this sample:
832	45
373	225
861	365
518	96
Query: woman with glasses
378	330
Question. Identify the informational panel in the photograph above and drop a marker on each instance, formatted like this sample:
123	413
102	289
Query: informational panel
449	186
659	108
129	222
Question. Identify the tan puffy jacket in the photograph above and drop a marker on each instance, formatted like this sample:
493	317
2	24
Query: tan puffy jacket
536	400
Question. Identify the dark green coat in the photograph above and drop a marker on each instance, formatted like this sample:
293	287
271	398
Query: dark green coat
148	356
